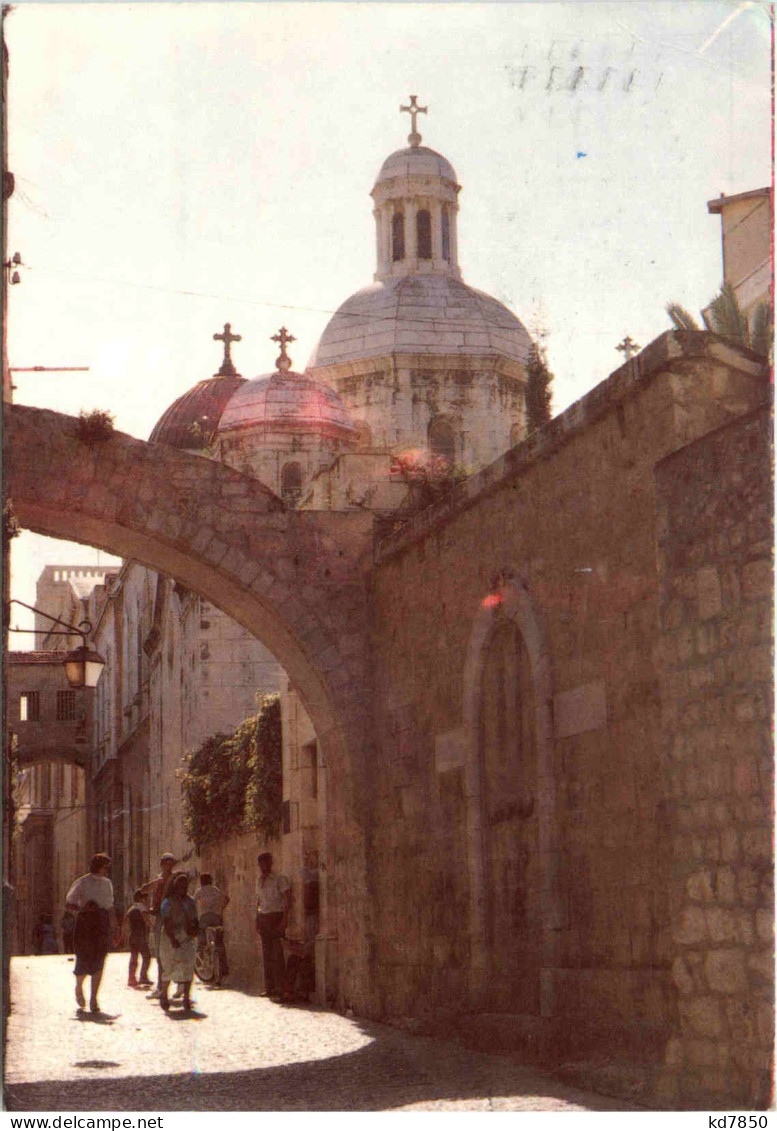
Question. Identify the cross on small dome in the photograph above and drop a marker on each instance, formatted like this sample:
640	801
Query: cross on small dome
283	361
413	110
227	368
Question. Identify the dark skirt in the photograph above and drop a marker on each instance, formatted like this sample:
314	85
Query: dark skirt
91	939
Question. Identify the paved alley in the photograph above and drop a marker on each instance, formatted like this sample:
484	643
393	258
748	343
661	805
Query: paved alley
238	1052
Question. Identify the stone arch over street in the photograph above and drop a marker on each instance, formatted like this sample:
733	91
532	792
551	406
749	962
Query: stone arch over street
293	579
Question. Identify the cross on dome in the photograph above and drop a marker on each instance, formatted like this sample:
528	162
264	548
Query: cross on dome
227	368
413	110
283	362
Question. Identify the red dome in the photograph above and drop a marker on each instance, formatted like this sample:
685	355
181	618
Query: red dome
191	421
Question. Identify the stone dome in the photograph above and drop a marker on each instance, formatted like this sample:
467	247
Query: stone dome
190	422
286	400
418	161
430	314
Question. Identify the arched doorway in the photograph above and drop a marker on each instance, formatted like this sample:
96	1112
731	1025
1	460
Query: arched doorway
511	809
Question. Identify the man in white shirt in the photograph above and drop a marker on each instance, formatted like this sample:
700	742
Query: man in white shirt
273	900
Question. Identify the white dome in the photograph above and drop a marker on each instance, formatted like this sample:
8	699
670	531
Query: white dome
416	161
420	314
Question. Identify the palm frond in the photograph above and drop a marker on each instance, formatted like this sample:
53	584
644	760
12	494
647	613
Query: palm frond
762	329
727	317
681	318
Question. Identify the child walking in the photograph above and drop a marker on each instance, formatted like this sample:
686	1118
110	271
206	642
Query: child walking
137	922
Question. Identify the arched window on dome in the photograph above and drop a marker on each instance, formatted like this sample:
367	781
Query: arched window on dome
442	440
423	223
446	236
398	236
291	482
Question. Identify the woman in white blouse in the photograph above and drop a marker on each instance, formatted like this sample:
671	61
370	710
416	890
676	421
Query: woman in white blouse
96	926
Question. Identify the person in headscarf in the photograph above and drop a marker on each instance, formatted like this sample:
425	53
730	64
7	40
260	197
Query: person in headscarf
178	940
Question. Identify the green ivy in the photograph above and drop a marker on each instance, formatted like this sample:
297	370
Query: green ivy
233	783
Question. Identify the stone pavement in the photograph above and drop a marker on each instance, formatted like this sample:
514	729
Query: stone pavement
239	1052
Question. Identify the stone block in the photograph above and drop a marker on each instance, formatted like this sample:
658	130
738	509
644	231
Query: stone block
703	1053
682	977
765	1025
699	887
708	592
761	963
725	885
744	931
742	1022
729	845
725	971
757	580
764	925
746	776
702	1015
747	886
674	1053
722	924
693	926
757	844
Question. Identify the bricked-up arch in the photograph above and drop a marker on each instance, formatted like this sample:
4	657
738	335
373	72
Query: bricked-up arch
293	579
509	604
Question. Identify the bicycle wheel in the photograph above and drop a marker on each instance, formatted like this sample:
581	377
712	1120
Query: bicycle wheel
216	967
203	963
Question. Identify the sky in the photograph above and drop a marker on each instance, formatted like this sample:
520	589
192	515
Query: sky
179	166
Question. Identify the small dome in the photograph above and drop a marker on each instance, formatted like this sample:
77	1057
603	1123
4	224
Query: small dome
191	421
430	314
286	400
417	161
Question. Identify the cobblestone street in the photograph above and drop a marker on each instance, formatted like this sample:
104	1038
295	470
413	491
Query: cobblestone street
237	1052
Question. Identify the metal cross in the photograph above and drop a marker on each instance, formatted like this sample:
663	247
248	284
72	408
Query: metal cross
628	348
413	110
283	336
227	368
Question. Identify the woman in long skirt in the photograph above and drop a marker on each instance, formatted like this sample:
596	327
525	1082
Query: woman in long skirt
178	940
91	896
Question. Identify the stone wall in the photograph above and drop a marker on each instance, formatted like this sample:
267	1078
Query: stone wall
715	504
558	537
233	866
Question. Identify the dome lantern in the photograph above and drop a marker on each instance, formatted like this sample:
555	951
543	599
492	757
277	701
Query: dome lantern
416	206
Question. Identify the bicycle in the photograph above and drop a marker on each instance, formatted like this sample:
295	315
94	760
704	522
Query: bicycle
207	961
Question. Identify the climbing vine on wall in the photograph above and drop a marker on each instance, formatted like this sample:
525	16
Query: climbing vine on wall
233	783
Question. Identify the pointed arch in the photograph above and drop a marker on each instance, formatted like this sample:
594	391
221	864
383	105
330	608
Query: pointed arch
510	604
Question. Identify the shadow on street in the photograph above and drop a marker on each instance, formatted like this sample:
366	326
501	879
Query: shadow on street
390	1072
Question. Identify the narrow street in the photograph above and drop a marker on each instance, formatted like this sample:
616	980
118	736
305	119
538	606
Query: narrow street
238	1052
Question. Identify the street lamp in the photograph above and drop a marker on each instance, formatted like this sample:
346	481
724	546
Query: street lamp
83	667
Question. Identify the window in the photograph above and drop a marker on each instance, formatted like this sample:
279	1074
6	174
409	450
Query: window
311	752
29	707
291	482
66	706
424	232
442	442
398	236
446	236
